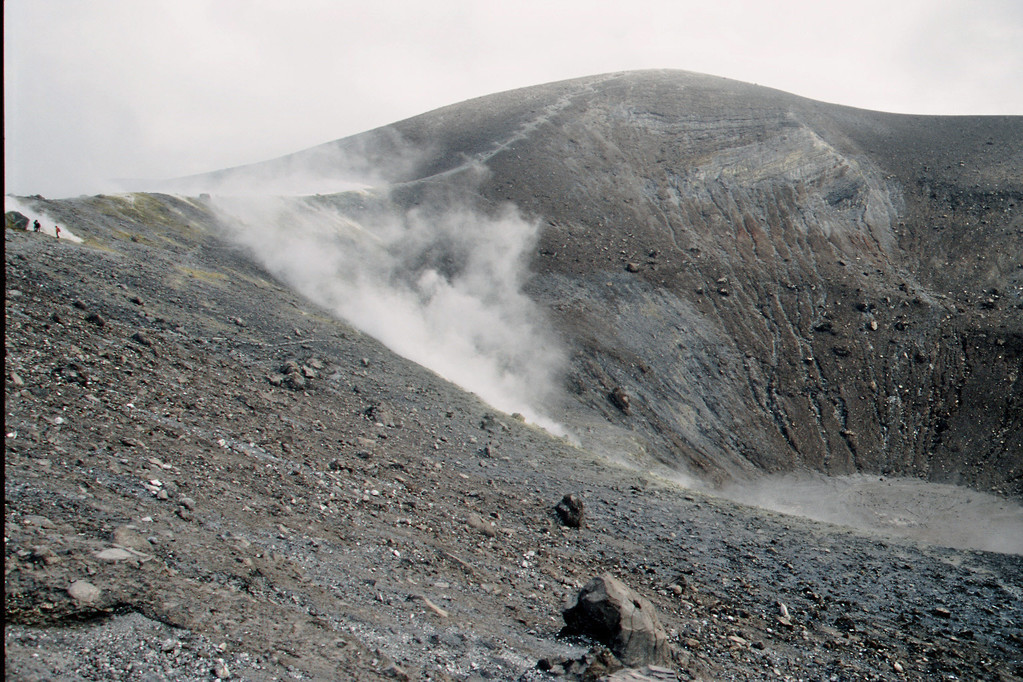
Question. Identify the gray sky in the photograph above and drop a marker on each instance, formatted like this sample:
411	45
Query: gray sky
100	89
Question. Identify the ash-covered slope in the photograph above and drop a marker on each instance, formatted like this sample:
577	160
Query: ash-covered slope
749	281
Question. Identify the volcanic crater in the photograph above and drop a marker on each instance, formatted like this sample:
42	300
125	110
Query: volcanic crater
740	287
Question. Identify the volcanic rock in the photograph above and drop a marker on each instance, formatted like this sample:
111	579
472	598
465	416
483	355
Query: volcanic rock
614	615
84	592
571	510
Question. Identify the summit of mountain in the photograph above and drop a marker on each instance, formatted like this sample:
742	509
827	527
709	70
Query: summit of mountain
776	283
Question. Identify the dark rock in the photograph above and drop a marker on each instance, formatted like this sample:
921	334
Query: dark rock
492	424
142	339
73	373
96	319
477	522
612	614
620	399
15	220
570	510
381	413
595	664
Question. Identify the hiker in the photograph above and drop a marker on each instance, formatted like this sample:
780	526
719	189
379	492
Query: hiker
36	226
57	228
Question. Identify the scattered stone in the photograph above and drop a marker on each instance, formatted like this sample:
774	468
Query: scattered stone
16	380
491	423
381	413
616	616
96	319
433	607
649	673
114	554
477	522
221	670
632	267
45	555
142	339
131	539
397	672
571	510
941	612
596	664
73	373
84	592
38	521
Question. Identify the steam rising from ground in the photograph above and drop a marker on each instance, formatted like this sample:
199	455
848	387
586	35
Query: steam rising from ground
939	514
47	225
442	287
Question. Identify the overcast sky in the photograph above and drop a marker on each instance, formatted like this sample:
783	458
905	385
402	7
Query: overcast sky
101	89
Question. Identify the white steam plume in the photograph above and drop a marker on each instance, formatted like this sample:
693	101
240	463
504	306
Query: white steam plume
442	288
935	513
47	224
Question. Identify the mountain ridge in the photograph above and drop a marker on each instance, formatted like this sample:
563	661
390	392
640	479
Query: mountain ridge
807	239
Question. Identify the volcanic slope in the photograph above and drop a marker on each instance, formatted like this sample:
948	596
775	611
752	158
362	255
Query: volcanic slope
209	477
207	474
747	281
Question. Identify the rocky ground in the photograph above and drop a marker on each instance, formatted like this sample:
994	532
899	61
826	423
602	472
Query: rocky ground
208	477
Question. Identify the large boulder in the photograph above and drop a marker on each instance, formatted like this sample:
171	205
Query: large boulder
15	220
571	510
611	613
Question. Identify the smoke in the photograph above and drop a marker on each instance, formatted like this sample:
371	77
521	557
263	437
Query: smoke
375	158
438	284
938	514
47	224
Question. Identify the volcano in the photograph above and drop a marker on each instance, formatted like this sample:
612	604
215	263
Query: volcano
252	428
776	284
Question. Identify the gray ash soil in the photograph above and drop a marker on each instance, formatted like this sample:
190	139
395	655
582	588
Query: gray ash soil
371	521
